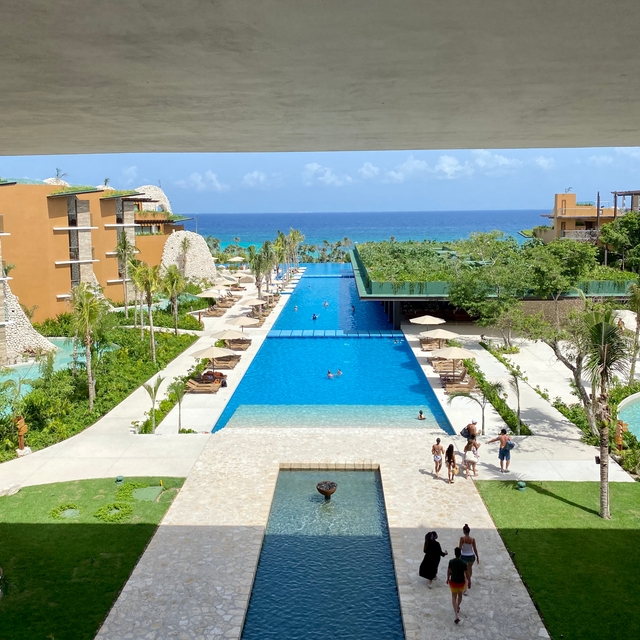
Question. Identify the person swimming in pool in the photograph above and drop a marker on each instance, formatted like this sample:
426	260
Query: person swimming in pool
314	317
295	308
338	372
329	374
325	304
353	309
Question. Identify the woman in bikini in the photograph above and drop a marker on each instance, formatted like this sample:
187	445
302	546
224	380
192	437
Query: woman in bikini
469	552
471	457
437	450
450	461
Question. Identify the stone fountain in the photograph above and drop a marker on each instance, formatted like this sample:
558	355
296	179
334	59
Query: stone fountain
327	488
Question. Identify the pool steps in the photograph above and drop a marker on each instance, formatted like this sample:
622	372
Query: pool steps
332	333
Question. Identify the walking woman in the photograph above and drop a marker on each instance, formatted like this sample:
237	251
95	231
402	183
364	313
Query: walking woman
471	457
469	552
450	461
437	450
432	554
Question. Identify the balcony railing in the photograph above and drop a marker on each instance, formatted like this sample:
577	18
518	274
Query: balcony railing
586	235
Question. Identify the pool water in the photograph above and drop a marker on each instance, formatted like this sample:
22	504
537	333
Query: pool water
325	569
31	370
287	385
631	415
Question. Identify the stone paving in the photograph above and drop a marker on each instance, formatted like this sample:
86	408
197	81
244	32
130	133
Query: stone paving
109	448
195	578
555	451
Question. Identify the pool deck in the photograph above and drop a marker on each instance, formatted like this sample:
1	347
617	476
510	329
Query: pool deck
109	448
195	578
555	451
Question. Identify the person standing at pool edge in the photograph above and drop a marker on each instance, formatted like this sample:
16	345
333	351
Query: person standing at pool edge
504	453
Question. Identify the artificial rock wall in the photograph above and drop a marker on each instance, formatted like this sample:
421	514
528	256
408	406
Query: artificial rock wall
197	264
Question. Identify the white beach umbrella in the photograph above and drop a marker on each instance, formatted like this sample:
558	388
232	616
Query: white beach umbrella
243	321
209	293
427	320
438	334
236	259
453	353
254	302
213	352
228	334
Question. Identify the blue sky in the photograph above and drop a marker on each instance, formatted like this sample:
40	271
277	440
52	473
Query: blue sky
352	181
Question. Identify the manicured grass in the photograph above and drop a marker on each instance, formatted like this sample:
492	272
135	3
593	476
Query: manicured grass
581	570
63	576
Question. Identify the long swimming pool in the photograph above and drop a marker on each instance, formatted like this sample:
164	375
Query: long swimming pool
287	385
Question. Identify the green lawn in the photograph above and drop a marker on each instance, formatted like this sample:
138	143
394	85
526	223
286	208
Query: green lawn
581	570
63	576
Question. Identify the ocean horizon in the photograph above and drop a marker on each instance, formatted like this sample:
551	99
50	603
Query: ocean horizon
443	226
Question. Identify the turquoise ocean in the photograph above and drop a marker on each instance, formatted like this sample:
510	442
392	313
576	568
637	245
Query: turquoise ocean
255	228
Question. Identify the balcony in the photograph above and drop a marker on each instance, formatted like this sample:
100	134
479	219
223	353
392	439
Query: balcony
586	235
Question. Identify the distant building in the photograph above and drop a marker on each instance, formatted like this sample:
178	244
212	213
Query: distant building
580	220
61	237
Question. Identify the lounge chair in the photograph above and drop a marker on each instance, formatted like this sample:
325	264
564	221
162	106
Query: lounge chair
456	376
193	386
469	385
238	344
226	363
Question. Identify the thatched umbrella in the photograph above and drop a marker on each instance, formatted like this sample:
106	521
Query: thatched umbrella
439	335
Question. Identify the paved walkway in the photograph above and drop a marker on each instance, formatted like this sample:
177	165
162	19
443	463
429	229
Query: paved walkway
555	451
195	578
109	448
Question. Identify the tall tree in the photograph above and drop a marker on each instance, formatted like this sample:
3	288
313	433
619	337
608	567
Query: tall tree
152	390
88	311
607	354
258	265
149	279
173	284
185	245
634	305
177	389
125	252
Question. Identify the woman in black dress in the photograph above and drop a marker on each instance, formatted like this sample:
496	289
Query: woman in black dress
432	554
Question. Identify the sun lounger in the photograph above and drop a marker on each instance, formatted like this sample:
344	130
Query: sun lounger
471	384
226	363
193	386
238	344
456	376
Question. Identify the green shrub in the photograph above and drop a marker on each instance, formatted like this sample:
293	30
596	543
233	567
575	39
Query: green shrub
114	512
60	326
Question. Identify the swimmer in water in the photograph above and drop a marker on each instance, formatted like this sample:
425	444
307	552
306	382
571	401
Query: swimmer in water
295	308
338	373
329	374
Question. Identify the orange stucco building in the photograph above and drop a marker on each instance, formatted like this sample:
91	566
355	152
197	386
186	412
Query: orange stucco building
58	239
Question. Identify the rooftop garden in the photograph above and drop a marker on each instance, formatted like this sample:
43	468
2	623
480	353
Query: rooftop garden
119	193
159	215
74	188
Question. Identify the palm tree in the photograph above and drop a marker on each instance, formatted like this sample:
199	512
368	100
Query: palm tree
480	395
185	244
634	305
88	311
152	390
607	354
173	284
149	279
515	375
258	265
125	251
135	273
177	388
60	175
106	182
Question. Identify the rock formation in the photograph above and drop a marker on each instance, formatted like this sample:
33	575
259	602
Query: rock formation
198	263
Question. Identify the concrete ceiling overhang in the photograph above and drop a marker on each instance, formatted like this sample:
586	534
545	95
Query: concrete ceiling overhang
303	75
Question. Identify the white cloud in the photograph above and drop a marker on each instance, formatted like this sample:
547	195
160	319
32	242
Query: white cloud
316	172
450	168
260	180
368	171
410	168
495	164
632	152
198	182
600	161
544	163
129	175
